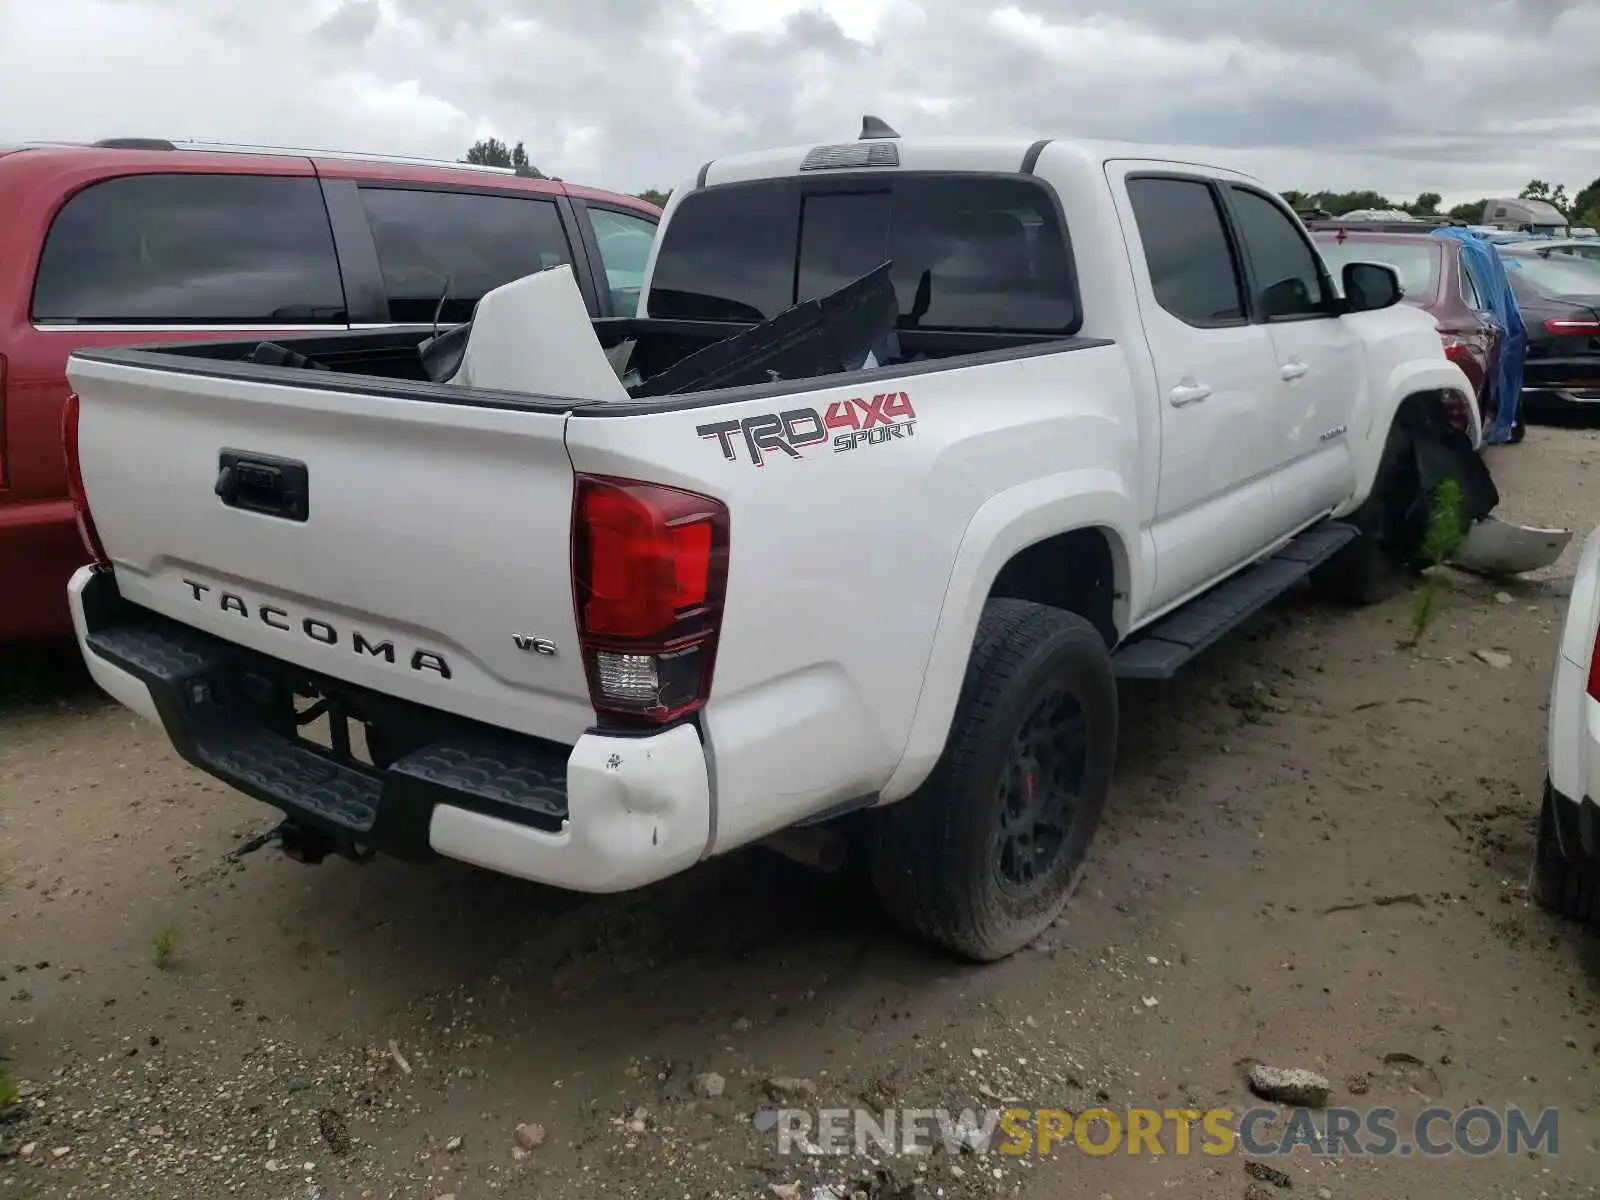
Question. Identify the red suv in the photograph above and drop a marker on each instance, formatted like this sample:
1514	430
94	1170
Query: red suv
136	241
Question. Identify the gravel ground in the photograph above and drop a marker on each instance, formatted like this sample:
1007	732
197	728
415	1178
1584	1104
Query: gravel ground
1314	857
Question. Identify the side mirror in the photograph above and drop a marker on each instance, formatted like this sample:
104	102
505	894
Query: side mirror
1370	286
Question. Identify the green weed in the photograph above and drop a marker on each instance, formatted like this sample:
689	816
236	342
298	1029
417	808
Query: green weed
162	947
1447	525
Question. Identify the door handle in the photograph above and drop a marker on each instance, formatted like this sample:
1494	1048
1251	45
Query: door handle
1293	370
1188	393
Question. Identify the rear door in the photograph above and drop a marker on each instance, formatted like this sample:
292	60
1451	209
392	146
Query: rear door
1216	378
1318	364
414	252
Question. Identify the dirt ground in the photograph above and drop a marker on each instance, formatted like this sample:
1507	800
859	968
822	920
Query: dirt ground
1315	856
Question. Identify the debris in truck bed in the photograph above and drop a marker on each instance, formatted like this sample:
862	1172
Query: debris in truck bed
271	354
842	331
531	335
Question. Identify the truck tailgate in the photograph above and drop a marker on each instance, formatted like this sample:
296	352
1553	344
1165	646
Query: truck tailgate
431	560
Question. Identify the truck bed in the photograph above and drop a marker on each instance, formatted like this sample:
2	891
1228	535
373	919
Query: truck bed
388	362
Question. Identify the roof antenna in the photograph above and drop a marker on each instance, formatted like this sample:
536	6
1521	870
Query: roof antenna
875	127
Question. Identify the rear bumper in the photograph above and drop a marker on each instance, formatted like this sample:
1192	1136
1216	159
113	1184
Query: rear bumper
1550	397
605	815
1574	378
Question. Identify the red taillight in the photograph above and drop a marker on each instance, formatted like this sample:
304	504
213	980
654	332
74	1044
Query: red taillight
80	499
649	572
1572	327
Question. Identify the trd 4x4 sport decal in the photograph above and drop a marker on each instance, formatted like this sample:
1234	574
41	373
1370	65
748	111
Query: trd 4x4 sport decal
850	423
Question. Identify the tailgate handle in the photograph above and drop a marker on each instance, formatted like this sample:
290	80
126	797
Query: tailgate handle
263	483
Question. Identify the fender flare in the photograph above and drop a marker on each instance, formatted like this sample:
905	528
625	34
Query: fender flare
1006	523
1406	380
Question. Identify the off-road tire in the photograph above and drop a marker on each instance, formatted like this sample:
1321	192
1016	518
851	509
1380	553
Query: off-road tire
1377	562
939	857
1557	883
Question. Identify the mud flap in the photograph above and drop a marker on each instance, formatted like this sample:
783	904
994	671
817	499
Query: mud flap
1443	452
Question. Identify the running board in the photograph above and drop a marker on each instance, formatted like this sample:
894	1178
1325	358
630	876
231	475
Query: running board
1158	652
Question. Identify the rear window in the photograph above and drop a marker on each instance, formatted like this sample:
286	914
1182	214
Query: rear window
973	254
191	249
1555	277
457	245
1416	264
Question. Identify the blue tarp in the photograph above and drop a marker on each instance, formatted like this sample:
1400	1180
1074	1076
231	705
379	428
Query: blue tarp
1490	272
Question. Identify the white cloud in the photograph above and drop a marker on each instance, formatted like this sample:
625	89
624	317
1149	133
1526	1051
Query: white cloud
1434	95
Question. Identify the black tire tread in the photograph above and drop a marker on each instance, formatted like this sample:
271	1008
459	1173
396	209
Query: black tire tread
923	836
1559	885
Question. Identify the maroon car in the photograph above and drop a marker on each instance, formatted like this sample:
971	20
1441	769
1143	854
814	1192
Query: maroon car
1437	279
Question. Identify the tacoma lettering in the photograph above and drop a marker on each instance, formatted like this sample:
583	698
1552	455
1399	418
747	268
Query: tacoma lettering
318	630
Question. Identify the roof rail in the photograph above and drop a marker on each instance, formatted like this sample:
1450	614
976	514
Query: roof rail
1370	226
134	143
304	152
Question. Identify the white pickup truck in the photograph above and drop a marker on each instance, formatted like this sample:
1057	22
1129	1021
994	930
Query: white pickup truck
591	639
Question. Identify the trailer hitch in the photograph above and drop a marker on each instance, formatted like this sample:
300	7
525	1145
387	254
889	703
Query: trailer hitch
303	844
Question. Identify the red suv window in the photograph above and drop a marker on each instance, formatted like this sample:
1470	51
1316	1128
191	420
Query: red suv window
191	249
457	246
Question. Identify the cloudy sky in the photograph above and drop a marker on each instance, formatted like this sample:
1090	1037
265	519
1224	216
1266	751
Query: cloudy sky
1389	94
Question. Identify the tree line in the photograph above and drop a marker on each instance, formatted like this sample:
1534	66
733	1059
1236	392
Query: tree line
1580	209
492	152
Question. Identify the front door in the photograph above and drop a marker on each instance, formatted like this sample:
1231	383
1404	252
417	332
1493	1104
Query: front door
1216	377
1317	361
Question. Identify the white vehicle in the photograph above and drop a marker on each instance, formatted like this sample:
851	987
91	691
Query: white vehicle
1566	867
1526	216
592	634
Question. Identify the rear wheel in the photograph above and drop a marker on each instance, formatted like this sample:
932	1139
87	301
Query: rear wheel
1557	883
1380	559
982	858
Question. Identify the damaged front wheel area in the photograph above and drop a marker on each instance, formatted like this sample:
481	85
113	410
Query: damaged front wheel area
1423	450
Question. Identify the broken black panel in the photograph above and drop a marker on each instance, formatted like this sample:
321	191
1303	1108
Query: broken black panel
442	354
271	354
833	333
